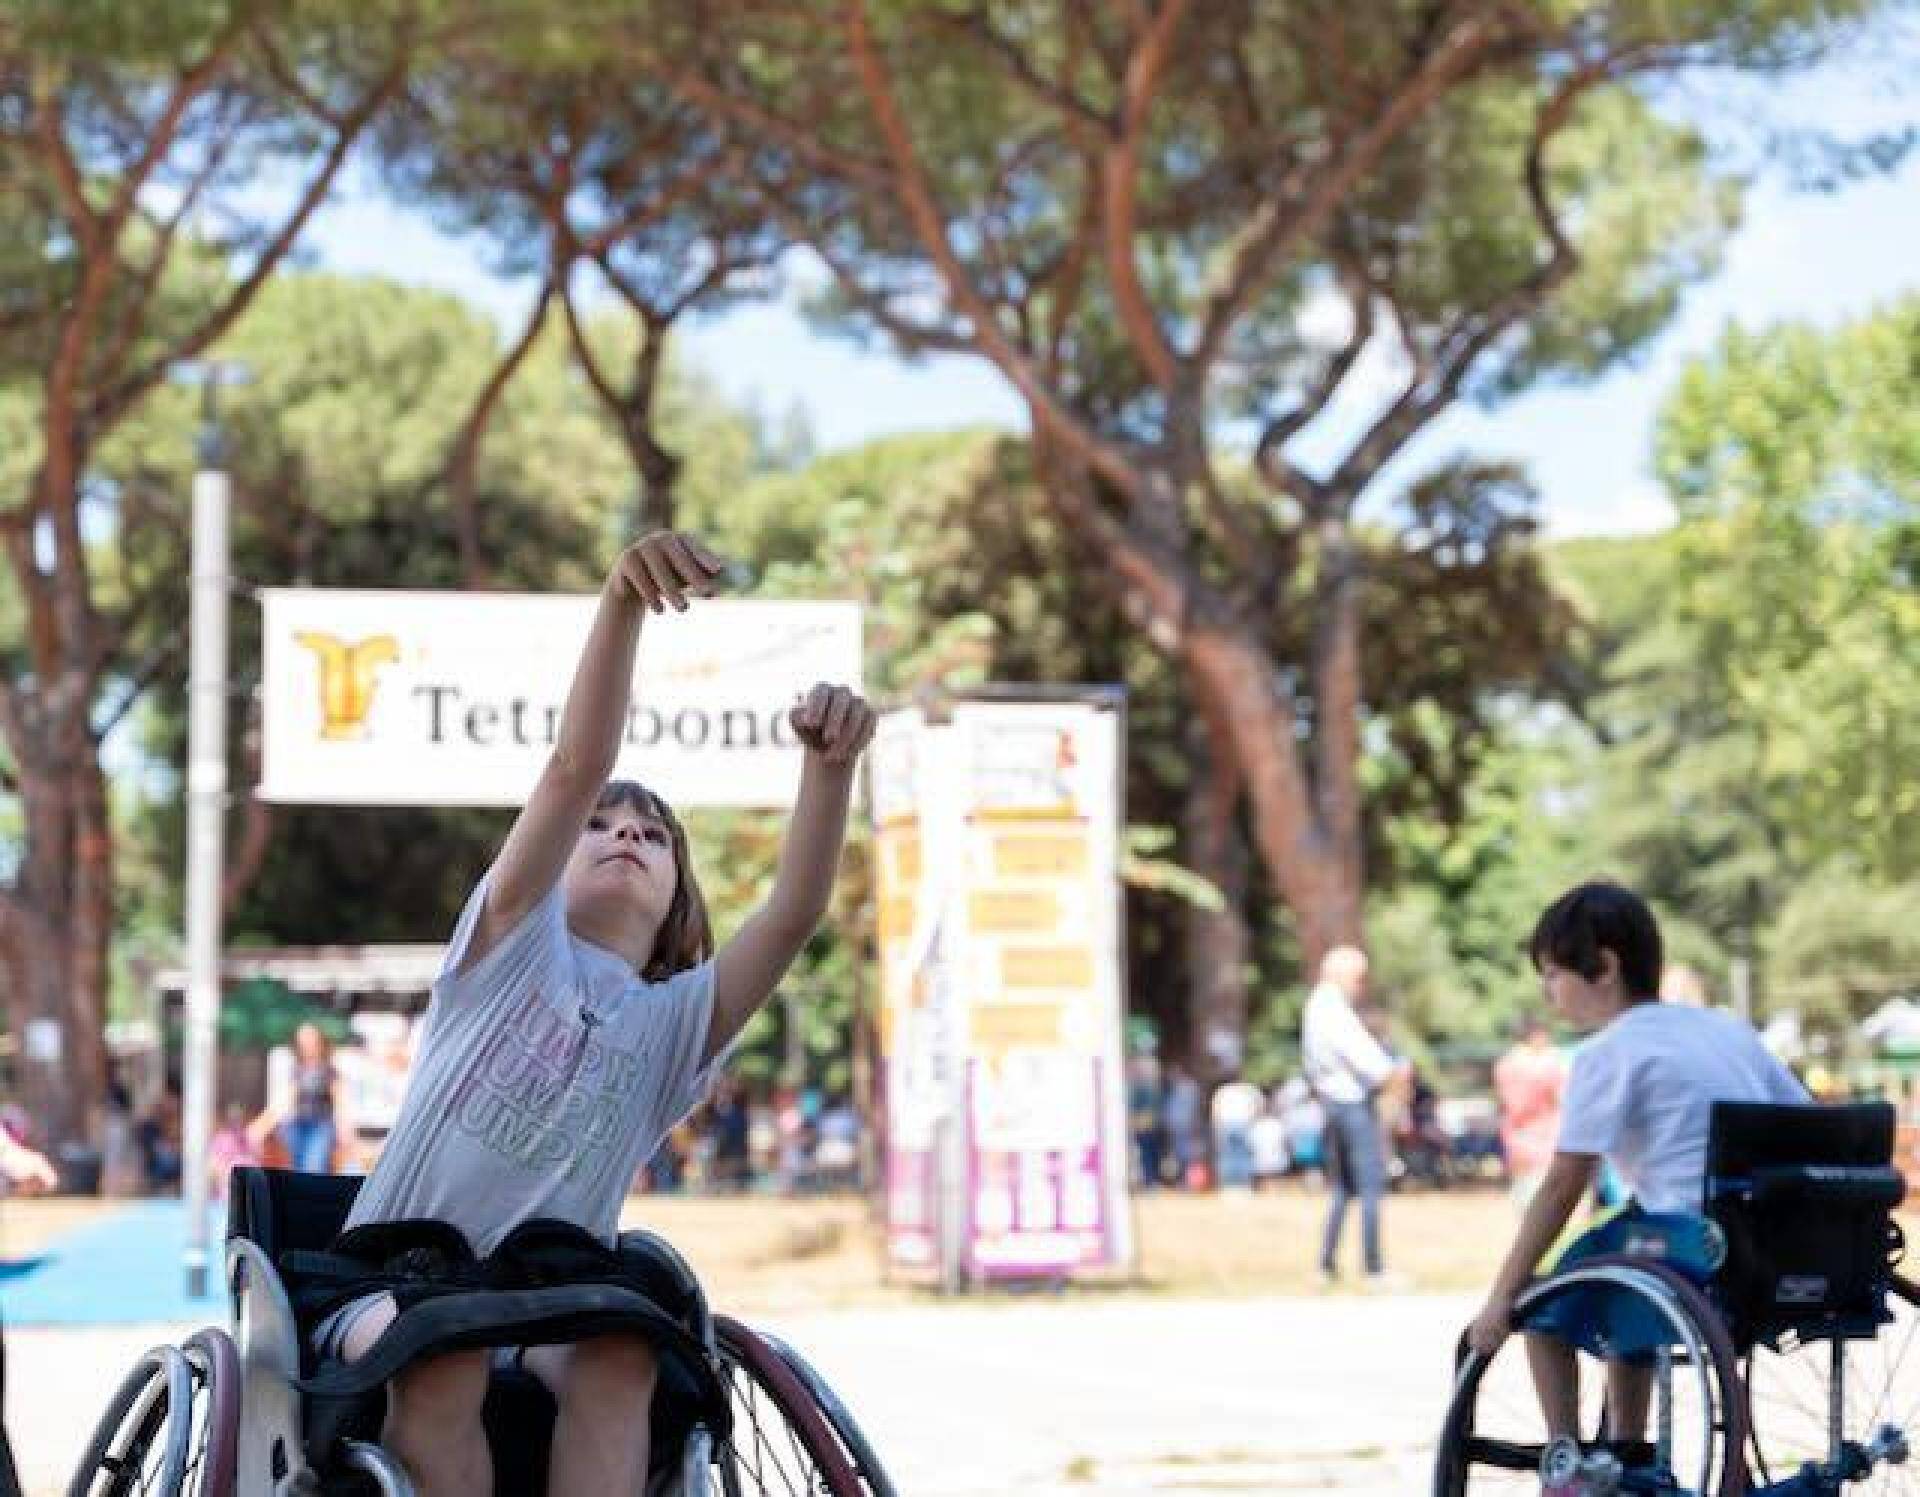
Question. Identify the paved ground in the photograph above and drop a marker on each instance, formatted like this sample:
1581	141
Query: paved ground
1040	1397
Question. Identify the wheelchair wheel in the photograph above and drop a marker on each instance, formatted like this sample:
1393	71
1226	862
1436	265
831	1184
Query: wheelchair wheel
172	1428
1494	1437
1810	1402
783	1441
853	1440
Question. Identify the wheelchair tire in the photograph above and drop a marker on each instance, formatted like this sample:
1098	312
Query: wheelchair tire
1792	1397
172	1428
782	1440
1494	1435
853	1440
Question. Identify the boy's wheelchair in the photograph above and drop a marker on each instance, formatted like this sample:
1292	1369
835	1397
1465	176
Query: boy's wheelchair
1777	1340
251	1413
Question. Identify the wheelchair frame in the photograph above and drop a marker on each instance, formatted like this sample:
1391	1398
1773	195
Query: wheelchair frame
221	1414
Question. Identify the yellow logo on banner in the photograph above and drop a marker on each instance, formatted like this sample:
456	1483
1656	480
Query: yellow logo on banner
347	678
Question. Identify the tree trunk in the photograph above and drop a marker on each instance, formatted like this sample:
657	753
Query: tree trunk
1310	846
63	915
1218	942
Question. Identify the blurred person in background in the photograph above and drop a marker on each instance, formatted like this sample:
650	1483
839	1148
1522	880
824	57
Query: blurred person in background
1305	1121
119	1156
230	1147
1528	1084
308	1113
1267	1142
1180	1107
157	1136
730	1127
1347	1068
1146	1118
1236	1104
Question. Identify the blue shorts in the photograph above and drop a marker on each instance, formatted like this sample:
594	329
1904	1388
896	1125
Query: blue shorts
1604	1321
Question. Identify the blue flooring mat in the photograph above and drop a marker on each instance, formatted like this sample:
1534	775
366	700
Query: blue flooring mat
125	1269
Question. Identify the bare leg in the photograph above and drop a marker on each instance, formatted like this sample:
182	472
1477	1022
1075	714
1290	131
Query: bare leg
604	1388
1556	1380
433	1423
1629	1390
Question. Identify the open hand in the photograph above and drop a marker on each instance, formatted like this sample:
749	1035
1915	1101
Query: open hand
664	568
833	722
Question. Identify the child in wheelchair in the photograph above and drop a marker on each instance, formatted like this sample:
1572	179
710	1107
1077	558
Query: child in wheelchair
1640	1097
580	1013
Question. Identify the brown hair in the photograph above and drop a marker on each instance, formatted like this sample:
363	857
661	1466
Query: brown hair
685	938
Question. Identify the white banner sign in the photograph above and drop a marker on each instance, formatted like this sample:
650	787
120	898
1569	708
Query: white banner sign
453	699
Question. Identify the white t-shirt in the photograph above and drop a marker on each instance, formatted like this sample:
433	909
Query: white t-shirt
1642	1090
1342	1059
547	1074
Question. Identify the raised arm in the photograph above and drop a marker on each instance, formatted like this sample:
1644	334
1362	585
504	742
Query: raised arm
835	725
654	573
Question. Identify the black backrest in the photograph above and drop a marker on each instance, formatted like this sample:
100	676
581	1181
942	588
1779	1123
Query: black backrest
282	1209
1746	1136
1804	1194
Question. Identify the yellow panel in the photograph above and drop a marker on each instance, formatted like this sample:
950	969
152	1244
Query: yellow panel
905	849
1001	911
1040	855
895	920
998	1027
1046	967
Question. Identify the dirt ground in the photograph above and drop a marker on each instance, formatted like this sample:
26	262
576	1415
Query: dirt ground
761	1254
764	1252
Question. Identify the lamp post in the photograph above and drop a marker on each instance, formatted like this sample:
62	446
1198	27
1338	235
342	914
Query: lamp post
206	797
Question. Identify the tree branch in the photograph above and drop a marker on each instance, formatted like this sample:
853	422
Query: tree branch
929	225
1437	379
464	461
120	396
194	82
1120	166
1284	427
1273	226
979	29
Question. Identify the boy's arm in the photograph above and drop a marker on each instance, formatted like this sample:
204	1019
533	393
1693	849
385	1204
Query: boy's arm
652	573
835	725
1566	1182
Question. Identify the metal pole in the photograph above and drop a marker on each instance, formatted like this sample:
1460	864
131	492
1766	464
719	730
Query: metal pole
206	810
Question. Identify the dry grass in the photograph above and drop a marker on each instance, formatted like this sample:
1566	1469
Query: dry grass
758	1254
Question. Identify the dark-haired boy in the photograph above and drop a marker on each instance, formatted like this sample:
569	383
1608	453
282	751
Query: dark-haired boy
1640	1095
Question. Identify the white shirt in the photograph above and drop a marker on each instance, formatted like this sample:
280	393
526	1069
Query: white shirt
1342	1060
1642	1090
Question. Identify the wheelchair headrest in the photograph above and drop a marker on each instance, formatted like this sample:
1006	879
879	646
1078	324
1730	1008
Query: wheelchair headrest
282	1210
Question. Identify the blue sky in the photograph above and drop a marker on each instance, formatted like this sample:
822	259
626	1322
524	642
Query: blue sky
1797	255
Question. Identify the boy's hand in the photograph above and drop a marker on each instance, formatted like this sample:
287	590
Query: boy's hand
833	722
1491	1326
664	568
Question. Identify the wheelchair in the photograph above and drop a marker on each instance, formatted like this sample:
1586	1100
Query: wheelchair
735	1412
1777	1338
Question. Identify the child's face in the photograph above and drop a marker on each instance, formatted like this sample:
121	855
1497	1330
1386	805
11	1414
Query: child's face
1585	1003
623	864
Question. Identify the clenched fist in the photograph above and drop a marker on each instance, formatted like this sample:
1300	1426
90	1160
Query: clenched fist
833	722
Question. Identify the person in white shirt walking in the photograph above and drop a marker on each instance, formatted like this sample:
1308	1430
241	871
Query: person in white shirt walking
1346	1067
